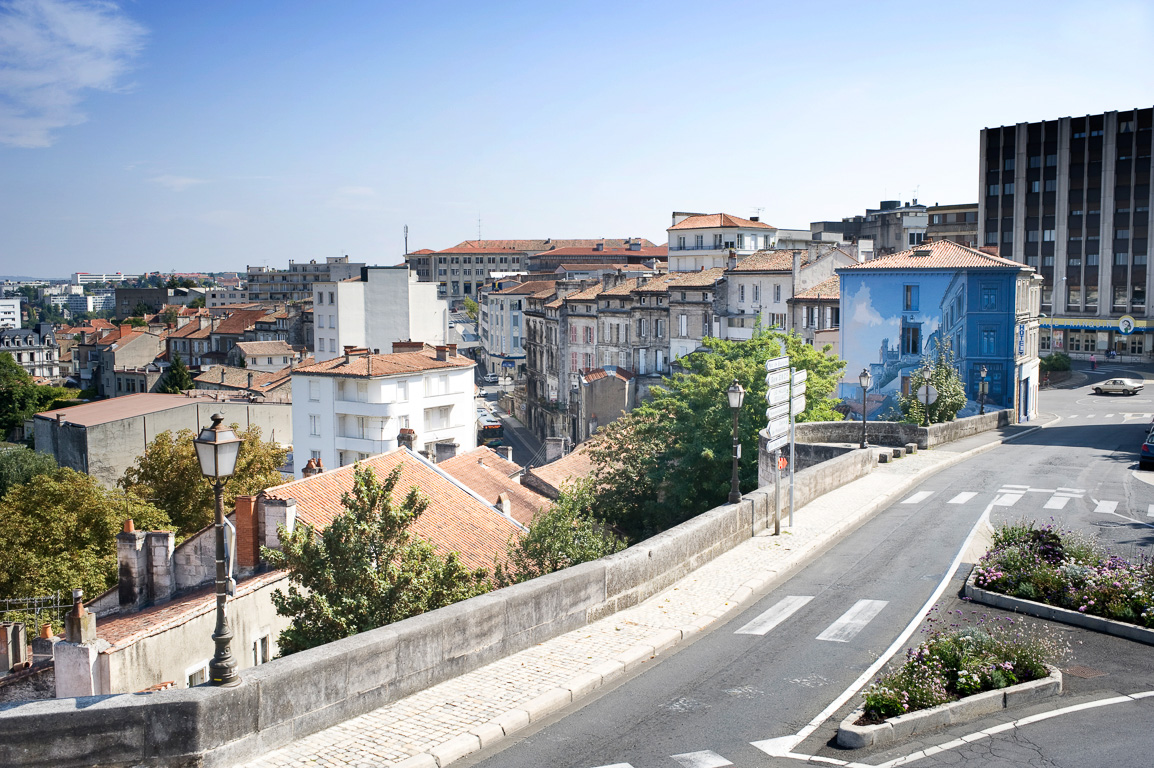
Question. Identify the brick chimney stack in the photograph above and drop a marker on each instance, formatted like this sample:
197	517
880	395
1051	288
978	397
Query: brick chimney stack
442	353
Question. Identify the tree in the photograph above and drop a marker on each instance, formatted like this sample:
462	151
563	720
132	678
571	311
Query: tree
136	322
169	316
365	569
177	379
58	531
669	458
945	379
566	534
472	309
21	397
19	465
168	473
141	309
197	303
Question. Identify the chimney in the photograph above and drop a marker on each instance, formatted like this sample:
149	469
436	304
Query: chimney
250	380
161	574
247	543
132	564
504	504
505	452
599	247
43	646
271	514
125	329
445	451
554	448
80	623
408	346
309	469
13	647
442	353
452	350
222	374
796	270
635	245
405	438
732	259
755	218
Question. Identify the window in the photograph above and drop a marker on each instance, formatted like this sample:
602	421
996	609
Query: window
315	455
741	292
911	340
658	327
437	418
1036	161
989	298
1008	189
197	675
314	425
1051	185
741	241
757	293
989	341
681	242
992	190
699	241
683	325
1121	259
331	301
1035	186
777	294
314	390
910	302
1047	235
1051	161
260	651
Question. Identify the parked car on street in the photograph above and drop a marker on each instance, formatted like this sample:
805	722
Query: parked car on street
1119	386
492	378
1146	454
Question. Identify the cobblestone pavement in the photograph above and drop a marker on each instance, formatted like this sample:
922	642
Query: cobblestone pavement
457	717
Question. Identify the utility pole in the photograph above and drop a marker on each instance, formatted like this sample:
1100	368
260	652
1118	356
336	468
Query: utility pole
406	239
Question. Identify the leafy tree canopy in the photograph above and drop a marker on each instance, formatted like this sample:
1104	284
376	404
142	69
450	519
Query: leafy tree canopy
669	459
945	379
168	474
177	379
21	397
472	309
567	534
19	465
364	570
58	531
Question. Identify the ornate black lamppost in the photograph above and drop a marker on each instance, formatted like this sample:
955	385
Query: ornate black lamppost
736	395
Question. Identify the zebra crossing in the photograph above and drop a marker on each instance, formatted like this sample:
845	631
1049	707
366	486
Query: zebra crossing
844	629
1009	495
1124	415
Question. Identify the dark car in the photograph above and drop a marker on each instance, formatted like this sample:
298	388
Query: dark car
1146	455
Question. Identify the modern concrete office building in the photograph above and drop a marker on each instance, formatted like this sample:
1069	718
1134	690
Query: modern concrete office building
1071	198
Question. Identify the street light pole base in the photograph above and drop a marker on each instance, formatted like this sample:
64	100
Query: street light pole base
734	498
222	668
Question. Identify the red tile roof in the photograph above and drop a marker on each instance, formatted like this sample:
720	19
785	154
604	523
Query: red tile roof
830	289
484	471
548	244
455	520
588	294
116	408
572	466
650	251
771	261
705	278
940	254
522	289
715	220
239	321
384	365
602	373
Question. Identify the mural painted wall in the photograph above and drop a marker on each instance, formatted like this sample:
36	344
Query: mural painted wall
893	319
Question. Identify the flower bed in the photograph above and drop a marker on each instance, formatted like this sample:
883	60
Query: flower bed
959	661
1069	570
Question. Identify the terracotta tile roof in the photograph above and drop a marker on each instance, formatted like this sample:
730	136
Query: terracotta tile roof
594	267
192	331
657	284
548	244
650	251
422	252
384	365
604	373
939	254
233	377
573	466
101	323
705	278
116	408
556	304
830	289
588	294
123	631
264	348
770	261
486	472
239	321
531	287
455	520
714	220
624	288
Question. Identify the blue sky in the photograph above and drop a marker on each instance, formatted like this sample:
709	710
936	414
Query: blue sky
211	135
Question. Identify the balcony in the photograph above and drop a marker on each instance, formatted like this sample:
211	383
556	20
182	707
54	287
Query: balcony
725	247
358	408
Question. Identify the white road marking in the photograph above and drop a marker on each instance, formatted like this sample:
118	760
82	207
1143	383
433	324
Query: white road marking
775	615
1007	499
853	621
1109	415
1072	490
962	498
1150	511
1023	487
616	765
918	497
1105	507
704	759
1057	502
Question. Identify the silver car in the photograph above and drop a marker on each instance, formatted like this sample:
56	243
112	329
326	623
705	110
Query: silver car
1119	386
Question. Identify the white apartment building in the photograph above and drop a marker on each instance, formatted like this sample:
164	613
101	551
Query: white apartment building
10	313
296	282
223	297
88	278
502	324
380	306
704	241
350	407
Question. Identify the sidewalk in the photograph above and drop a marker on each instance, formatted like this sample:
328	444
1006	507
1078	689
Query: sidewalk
460	716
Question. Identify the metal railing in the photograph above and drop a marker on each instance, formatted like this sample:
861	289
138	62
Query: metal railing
34	611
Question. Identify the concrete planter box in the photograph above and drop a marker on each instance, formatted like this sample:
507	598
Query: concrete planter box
979	705
1053	613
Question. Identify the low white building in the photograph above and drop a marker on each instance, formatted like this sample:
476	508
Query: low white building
267	356
353	406
223	297
380	306
704	240
10	313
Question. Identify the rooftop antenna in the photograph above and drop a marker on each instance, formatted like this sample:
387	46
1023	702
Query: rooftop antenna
406	239
478	229
757	212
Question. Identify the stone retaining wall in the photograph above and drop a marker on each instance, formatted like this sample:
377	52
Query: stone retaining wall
893	433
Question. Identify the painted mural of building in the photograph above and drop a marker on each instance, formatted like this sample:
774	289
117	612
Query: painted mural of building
896	310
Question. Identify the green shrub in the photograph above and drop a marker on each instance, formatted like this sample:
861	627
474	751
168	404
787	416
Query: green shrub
1056	361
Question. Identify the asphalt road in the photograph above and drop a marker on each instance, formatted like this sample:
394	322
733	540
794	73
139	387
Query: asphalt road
702	706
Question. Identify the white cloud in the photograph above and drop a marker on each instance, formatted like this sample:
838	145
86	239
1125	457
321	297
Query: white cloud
177	183
51	53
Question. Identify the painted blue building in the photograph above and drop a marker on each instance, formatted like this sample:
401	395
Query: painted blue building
896	309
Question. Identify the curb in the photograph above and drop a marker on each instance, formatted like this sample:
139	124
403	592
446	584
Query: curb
1054	613
970	708
514	720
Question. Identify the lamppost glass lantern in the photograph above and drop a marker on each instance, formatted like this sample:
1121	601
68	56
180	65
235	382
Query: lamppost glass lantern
736	394
926	378
216	449
865	380
983	387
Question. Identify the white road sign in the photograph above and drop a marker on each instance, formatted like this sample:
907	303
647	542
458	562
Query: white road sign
797	405
773	363
777	395
778	427
775	378
776	412
933	394
777	442
798	389
799	376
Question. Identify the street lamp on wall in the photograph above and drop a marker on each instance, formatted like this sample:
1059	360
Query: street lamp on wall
983	388
216	450
926	379
736	395
864	379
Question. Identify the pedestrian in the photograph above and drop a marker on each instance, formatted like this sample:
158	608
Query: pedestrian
1093	363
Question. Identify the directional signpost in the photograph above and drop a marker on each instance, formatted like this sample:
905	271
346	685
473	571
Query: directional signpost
796	406
777	376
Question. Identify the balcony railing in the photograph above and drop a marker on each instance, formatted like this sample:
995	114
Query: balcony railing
706	247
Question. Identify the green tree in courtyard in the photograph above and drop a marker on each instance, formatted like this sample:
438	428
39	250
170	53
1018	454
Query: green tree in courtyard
472	309
168	473
58	531
566	534
669	458
177	379
19	465
365	569
21	397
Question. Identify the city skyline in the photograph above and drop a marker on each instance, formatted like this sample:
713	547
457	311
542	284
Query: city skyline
210	137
